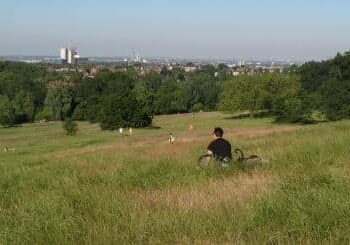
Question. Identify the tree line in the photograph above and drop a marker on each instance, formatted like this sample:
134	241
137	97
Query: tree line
307	93
112	99
314	91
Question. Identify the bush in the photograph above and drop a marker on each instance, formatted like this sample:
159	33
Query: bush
44	114
70	127
198	107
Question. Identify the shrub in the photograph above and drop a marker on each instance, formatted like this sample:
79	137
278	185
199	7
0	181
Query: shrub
44	114
198	107
70	127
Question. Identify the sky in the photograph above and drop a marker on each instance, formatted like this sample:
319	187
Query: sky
240	29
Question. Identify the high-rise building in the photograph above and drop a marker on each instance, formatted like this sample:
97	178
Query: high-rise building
64	55
71	56
241	63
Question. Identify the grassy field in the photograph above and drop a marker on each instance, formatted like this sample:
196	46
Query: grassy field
102	187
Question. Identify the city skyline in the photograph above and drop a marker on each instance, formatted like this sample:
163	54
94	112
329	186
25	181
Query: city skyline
197	29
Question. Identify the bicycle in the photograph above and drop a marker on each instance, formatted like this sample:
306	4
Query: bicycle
208	159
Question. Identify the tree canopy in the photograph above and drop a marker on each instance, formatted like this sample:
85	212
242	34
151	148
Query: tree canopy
126	98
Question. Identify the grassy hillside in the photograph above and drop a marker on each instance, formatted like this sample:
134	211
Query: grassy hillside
102	187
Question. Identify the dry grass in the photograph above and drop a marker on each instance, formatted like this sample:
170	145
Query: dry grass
84	150
157	146
216	192
186	141
91	168
255	132
100	187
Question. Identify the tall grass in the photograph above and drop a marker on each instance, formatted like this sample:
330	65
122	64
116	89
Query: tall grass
63	191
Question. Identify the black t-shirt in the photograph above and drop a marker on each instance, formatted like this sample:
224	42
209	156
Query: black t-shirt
221	148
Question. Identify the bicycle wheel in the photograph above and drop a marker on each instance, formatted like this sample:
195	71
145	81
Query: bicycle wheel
205	160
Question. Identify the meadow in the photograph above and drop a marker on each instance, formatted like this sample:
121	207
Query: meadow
106	188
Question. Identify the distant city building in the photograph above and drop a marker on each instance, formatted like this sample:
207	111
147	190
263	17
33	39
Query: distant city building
71	56
81	60
64	55
136	58
241	63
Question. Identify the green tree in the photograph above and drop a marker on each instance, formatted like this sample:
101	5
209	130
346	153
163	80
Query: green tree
336	95
7	114
243	93
60	102
153	81
203	90
283	97
170	98
111	114
29	107
145	102
127	109
24	107
325	86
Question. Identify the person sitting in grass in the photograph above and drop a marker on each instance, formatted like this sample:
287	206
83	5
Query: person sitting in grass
220	149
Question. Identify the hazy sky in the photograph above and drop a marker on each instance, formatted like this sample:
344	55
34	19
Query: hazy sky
303	29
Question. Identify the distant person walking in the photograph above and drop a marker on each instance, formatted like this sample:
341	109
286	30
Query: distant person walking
130	131
171	138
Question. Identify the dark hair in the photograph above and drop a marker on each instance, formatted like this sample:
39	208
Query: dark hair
219	132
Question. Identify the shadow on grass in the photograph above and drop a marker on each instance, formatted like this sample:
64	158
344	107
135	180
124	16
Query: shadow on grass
269	114
244	115
12	126
153	127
